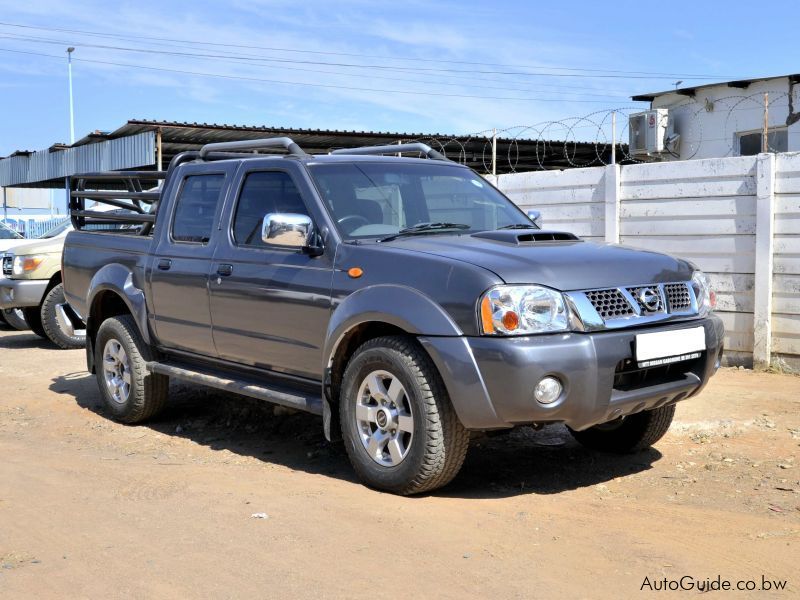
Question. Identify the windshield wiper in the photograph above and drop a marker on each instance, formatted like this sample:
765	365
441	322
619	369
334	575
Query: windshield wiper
423	228
519	226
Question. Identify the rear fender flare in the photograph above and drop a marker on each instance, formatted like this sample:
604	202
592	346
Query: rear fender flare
118	279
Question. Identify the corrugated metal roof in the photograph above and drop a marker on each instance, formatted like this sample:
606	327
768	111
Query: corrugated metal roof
691	91
49	168
45	166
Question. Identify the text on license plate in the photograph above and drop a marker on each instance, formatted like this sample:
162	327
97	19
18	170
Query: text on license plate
664	347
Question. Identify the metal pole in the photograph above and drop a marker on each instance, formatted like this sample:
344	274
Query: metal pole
765	131
159	155
613	137
5	206
494	152
70	50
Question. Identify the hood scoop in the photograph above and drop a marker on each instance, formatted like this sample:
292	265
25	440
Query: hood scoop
526	236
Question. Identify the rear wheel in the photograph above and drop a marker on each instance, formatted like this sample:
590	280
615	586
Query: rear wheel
628	434
400	430
15	318
130	392
59	321
33	317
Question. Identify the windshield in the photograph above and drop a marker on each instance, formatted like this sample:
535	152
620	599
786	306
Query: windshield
7	233
57	230
372	199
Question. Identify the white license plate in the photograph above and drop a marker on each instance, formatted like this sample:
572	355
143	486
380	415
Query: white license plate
680	344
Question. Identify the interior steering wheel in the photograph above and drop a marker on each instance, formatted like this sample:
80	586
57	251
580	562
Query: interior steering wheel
352	222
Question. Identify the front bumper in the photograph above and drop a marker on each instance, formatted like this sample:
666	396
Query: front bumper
490	380
19	293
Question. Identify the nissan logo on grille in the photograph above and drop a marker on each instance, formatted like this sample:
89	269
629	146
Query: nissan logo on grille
650	299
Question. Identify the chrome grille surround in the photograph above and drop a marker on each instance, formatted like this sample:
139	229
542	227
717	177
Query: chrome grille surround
616	308
8	265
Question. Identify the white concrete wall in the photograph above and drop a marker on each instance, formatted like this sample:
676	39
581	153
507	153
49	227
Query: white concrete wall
712	133
574	203
705	211
786	261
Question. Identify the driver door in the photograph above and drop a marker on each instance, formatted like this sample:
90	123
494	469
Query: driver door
270	304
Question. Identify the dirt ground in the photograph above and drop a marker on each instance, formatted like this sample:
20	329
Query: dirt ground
92	509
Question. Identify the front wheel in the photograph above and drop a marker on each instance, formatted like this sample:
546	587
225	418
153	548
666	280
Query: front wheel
628	434
33	317
399	427
58	321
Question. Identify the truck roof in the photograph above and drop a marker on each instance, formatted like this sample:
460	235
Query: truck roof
311	159
137	192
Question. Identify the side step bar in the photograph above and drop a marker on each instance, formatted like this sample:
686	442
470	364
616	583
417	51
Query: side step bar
276	394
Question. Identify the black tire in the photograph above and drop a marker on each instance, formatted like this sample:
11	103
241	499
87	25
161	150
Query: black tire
439	443
33	317
632	433
52	325
148	391
14	318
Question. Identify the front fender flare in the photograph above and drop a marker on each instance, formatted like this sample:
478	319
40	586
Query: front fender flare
406	308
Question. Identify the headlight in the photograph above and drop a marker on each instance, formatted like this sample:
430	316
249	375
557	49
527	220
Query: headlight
706	298
27	264
522	310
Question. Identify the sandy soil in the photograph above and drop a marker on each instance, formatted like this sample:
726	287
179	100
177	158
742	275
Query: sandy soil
92	509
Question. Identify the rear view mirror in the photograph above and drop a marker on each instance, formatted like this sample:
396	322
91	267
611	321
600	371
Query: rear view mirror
536	217
288	230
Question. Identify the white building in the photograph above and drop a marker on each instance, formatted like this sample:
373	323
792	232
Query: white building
727	119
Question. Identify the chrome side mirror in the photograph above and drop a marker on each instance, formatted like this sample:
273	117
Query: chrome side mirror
536	217
288	230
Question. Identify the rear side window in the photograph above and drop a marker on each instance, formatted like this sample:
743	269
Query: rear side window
263	193
196	207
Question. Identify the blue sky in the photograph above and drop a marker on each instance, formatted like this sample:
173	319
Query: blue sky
413	66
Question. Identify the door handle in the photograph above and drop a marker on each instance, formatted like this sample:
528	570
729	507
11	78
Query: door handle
225	270
164	264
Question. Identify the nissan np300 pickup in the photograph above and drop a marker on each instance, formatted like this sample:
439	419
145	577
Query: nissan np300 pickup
405	300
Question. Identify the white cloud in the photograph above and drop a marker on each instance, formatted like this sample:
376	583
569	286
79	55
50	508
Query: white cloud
414	29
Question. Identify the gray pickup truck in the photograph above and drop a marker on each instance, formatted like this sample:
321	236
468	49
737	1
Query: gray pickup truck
405	300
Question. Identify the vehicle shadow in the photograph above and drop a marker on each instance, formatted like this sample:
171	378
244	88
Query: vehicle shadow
15	340
522	461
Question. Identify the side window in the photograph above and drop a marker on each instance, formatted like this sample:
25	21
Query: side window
196	207
263	192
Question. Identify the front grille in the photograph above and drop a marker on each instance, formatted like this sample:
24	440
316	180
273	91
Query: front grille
616	308
610	304
635	291
8	265
678	298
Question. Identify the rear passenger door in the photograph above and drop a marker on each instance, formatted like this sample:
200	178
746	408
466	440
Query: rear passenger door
270	304
179	268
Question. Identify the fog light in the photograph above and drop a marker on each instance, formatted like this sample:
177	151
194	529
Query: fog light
547	390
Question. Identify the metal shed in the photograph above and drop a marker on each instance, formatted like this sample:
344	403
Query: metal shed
152	144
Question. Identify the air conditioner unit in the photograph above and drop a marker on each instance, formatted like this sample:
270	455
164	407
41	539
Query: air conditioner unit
652	133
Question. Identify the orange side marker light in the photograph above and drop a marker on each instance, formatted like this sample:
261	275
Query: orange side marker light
486	315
